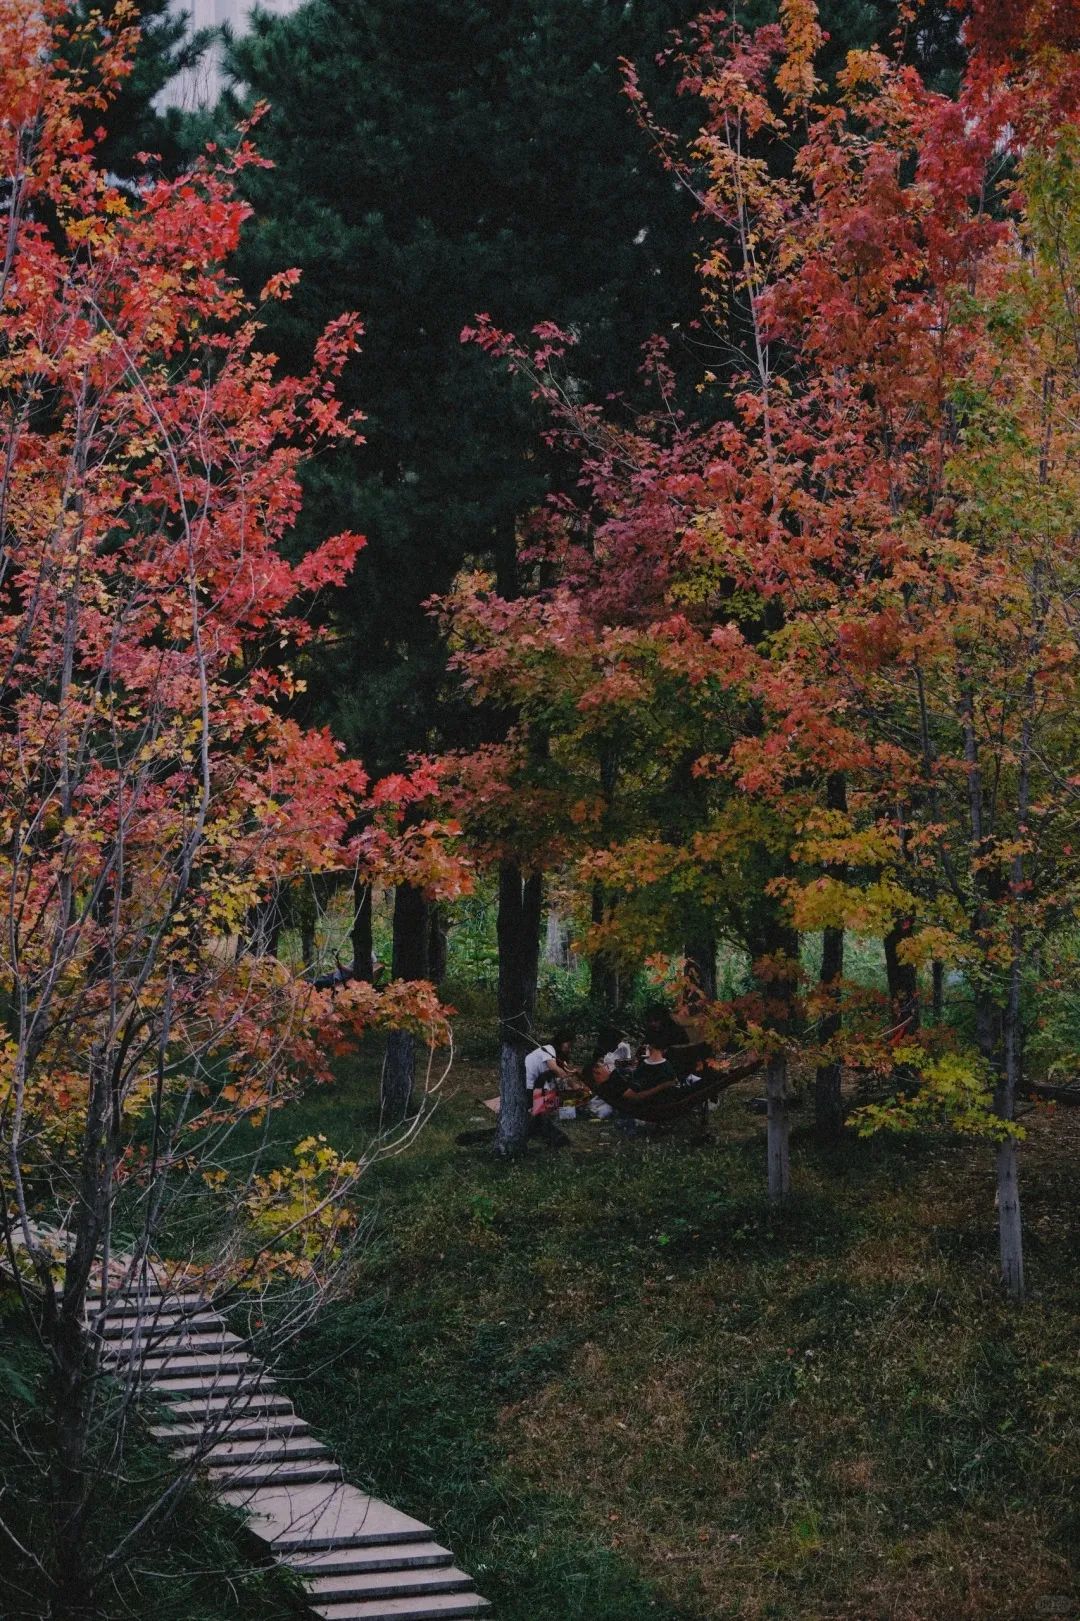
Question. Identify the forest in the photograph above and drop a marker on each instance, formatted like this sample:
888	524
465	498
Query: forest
540	811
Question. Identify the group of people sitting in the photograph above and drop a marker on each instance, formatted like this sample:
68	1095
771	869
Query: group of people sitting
617	1078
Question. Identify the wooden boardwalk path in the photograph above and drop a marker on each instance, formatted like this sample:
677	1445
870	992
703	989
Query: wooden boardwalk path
360	1559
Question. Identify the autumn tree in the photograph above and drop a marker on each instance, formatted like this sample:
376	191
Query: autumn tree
153	785
923	648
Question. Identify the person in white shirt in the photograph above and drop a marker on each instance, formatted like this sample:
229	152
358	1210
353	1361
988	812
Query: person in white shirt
545	1067
551	1059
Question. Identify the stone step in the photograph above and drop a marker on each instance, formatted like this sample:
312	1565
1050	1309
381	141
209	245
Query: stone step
310	1519
319	1472
369	1585
391	1556
437	1607
273	1449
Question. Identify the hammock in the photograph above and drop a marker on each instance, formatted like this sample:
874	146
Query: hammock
676	1103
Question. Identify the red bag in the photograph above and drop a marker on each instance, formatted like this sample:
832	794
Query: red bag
545	1101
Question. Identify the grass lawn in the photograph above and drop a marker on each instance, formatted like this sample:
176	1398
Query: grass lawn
620	1387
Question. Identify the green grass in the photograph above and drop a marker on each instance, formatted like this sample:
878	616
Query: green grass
621	1387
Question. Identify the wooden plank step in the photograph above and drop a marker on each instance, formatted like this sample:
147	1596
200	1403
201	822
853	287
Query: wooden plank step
191	1383
267	1449
310	1518
390	1556
151	1368
437	1607
229	1408
319	1472
268	1426
189	1358
129	1303
121	1327
387	1584
175	1342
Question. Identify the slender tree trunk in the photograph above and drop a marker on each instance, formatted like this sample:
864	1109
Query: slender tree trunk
700	954
411	940
776	947
1010	1227
604	987
274	921
72	1599
73	1368
937	975
520	900
828	1105
603	972
362	949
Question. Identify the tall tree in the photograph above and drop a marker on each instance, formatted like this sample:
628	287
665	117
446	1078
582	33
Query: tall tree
153	789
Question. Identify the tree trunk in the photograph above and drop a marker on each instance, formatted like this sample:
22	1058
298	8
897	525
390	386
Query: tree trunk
700	954
411	940
903	980
1010	1228
828	1104
437	945
775	949
275	921
362	951
603	972
71	1598
512	1130
74	1367
555	940
398	1076
937	980
518	929
777	1129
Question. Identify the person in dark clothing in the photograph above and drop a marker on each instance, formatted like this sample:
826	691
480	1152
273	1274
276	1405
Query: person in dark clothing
617	1088
655	1072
